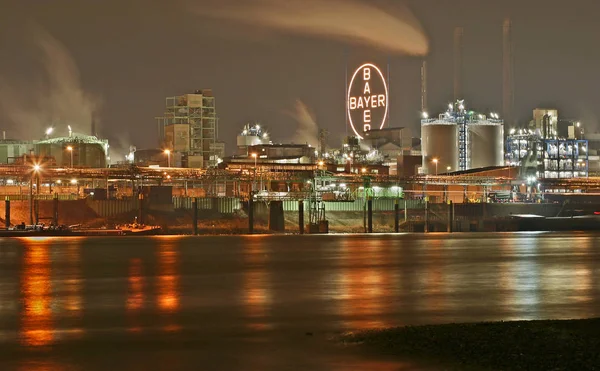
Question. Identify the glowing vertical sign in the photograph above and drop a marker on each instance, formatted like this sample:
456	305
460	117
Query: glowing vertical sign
367	101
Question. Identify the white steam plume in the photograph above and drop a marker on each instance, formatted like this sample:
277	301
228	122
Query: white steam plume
58	101
307	131
349	20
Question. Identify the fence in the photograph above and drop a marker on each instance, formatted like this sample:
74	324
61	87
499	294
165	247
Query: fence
41	197
223	205
380	204
108	208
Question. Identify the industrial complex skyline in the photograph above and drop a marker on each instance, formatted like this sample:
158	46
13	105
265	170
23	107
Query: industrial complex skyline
131	55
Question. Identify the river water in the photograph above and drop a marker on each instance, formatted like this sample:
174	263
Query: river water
271	302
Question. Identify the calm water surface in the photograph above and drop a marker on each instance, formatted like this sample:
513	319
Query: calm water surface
271	302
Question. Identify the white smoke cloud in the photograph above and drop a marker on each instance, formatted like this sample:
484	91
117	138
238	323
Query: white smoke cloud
58	100
307	131
353	21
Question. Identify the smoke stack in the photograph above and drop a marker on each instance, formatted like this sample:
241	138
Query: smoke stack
93	128
424	87
458	62
508	97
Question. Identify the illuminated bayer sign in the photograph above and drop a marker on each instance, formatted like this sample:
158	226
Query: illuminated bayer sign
367	99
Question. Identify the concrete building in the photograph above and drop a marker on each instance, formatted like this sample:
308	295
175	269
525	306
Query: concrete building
10	150
396	149
189	127
276	154
253	134
217	150
546	121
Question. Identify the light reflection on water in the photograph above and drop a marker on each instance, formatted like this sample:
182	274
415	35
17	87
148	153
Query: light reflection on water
142	287
167	282
363	288
257	285
36	326
69	252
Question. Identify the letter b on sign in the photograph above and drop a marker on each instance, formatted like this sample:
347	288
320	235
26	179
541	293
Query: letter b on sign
366	74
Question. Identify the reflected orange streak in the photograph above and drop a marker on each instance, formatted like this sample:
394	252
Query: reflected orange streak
435	277
364	289
135	297
168	279
257	294
73	285
37	328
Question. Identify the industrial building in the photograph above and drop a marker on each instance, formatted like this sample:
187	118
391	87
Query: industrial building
189	126
253	134
74	150
540	152
459	140
10	150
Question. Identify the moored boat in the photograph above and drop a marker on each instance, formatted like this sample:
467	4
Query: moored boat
138	229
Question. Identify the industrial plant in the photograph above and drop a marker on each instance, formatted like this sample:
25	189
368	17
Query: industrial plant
461	156
459	140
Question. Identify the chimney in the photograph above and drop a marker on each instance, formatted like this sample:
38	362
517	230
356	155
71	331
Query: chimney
424	87
508	97
93	128
458	62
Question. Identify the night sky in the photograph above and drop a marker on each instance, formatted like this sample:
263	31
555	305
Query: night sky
131	54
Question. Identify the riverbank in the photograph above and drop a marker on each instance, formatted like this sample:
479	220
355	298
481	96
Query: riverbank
520	345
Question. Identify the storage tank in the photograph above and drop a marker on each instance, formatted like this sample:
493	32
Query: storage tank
486	144
439	141
87	151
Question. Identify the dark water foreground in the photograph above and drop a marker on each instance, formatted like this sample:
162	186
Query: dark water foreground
271	302
518	345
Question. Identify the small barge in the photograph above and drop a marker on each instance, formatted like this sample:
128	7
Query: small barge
559	223
41	230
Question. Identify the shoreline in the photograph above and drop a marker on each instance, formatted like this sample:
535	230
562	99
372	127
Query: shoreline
514	345
266	233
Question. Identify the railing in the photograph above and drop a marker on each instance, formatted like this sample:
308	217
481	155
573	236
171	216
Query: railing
41	197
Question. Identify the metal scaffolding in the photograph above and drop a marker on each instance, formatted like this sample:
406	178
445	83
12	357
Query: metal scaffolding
198	112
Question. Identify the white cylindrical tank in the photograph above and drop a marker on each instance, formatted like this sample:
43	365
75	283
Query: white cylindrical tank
439	141
486	142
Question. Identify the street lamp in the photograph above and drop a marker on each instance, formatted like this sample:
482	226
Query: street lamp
35	173
70	149
435	161
448	168
168	153
255	159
